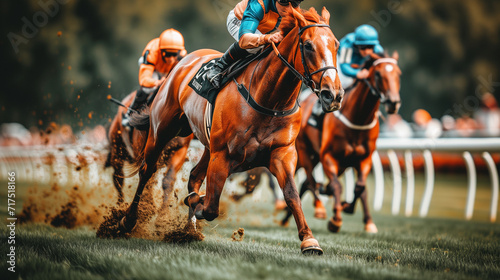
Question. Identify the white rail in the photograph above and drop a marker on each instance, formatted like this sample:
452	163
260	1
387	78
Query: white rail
465	146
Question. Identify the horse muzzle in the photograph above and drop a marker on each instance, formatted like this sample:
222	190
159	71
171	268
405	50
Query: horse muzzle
392	107
331	100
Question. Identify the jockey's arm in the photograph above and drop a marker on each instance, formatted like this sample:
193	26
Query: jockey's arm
146	79
252	16
348	70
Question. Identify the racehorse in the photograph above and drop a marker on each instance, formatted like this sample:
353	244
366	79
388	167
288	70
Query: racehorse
124	145
246	134
348	138
253	179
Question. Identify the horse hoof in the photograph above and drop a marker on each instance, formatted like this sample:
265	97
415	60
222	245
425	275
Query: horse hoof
285	223
371	228
192	199
122	225
311	247
334	226
347	208
320	213
199	214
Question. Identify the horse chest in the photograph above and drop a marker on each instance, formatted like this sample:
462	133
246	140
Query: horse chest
354	150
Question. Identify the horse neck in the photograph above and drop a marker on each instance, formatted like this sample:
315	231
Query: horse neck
276	87
360	105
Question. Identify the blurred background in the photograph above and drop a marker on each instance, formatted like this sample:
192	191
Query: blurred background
61	59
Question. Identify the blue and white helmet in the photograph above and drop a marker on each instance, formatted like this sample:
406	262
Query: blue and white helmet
366	35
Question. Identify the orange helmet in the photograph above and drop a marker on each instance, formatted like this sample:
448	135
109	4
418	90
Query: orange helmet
171	40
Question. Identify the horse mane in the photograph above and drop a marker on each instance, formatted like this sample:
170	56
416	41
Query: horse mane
368	64
289	22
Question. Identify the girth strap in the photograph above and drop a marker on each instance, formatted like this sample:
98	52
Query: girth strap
263	110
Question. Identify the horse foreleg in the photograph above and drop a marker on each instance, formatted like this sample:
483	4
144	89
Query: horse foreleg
331	169
282	165
217	173
152	151
174	165
196	178
365	168
310	184
303	188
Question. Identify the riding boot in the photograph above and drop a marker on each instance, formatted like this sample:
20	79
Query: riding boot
140	98
233	54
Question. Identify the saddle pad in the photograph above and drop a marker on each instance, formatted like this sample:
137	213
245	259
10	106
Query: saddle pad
201	85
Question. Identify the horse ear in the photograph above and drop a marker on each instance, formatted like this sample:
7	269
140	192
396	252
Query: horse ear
395	55
300	18
325	14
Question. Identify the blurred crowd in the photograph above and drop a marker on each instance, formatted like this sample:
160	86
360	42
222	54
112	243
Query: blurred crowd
15	134
484	122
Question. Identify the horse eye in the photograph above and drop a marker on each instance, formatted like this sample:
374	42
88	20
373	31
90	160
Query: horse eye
308	46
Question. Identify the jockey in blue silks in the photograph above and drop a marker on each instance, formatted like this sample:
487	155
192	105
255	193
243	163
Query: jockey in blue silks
355	48
252	23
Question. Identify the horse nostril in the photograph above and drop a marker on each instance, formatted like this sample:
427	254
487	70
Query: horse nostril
339	97
327	95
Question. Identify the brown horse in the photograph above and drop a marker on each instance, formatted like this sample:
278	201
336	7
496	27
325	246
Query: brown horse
348	138
246	133
125	145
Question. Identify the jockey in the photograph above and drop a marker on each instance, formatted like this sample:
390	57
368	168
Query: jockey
251	23
355	49
158	58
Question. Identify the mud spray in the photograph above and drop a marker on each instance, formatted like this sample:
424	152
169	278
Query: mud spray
160	217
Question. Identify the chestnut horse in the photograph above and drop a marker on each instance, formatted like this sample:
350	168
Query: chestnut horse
348	138
125	145
242	137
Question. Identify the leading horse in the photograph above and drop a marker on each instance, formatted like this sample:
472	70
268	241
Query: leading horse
348	138
242	137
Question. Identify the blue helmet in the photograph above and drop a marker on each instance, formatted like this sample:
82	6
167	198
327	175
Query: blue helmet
366	35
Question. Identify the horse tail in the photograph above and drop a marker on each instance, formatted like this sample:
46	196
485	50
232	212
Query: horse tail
140	120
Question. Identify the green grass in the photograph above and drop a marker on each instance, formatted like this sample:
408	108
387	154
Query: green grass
405	248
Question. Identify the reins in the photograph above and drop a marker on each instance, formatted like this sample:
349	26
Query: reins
375	91
306	78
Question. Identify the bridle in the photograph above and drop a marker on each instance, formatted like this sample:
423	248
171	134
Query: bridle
376	90
306	78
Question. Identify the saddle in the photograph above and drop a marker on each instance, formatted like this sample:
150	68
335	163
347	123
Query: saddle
202	86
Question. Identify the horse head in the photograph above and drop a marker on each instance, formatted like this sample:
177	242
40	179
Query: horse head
385	80
318	54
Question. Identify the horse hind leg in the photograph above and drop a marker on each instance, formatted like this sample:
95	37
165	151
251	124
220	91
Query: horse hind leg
174	164
153	149
118	179
196	178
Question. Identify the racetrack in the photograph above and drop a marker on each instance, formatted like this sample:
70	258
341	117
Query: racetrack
443	246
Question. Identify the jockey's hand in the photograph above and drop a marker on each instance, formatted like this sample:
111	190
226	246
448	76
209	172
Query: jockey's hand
275	37
160	81
363	74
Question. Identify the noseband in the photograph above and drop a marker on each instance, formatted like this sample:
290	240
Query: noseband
307	76
375	90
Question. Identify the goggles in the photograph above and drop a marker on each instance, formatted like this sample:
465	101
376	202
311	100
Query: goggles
295	3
